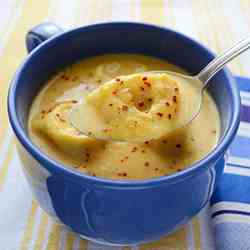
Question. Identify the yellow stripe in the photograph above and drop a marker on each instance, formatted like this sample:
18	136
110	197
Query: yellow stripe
54	237
236	64
32	12
195	11
41	232
196	233
6	163
132	10
152	11
70	241
107	10
14	51
203	13
83	244
200	23
176	240
170	20
14	10
245	7
88	16
213	35
29	227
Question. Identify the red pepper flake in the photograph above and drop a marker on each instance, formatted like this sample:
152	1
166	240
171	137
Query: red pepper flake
159	114
140	103
63	76
146	164
122	174
111	104
124	107
178	145
148	84
175	98
167	104
150	99
169	116
106	130
144	78
60	118
118	79
146	142
142	88
133	149
114	92
125	158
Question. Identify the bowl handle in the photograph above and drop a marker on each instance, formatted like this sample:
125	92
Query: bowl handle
41	33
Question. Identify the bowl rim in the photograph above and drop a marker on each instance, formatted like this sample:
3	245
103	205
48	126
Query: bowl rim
56	167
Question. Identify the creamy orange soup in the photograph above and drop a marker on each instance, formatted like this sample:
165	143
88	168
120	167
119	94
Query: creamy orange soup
51	131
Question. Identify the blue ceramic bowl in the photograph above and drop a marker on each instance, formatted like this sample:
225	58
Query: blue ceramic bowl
109	211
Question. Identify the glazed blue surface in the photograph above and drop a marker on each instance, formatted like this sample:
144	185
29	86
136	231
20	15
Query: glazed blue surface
107	211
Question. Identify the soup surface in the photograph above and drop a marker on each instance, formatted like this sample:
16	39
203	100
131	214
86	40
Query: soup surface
51	131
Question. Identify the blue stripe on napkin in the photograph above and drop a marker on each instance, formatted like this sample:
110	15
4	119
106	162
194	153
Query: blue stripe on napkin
243	83
245	113
240	147
233	187
230	204
233	236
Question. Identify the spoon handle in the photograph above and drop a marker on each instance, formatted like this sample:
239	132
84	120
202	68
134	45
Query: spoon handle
217	64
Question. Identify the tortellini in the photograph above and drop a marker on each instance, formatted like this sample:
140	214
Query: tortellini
132	108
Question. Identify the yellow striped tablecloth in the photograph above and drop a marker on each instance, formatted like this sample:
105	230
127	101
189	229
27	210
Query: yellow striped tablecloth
216	23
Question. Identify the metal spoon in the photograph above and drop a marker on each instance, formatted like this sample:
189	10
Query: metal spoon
200	81
203	77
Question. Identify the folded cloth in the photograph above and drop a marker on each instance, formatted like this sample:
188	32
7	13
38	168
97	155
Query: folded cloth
230	204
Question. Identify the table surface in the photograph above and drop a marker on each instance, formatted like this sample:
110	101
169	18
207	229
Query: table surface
215	23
